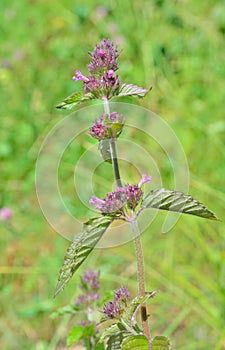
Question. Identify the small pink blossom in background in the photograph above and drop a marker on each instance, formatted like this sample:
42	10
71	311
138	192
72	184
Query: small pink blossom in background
5	214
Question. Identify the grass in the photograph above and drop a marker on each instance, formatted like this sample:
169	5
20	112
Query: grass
178	48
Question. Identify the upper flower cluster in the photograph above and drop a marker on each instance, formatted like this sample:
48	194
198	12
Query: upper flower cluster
102	83
104	58
115	202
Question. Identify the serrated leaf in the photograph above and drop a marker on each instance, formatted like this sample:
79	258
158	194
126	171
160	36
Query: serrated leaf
80	248
72	100
111	330
115	341
134	305
132	90
178	202
135	342
160	343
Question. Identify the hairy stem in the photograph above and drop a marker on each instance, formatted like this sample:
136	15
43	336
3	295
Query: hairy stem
141	276
136	235
112	145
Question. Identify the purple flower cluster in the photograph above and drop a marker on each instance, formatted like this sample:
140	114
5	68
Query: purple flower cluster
112	204
134	195
115	202
122	294
90	285
113	309
102	83
107	126
91	279
104	58
87	299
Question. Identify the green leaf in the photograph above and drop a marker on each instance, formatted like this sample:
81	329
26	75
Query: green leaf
161	343
74	335
135	342
178	202
88	330
99	346
111	330
80	248
72	100
115	340
80	332
132	90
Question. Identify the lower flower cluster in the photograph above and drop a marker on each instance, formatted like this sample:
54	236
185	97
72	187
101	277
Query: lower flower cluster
115	203
113	309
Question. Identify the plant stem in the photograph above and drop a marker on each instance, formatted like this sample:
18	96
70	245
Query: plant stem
140	276
136	235
112	145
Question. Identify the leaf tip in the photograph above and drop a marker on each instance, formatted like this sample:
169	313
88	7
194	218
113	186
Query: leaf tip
148	90
60	105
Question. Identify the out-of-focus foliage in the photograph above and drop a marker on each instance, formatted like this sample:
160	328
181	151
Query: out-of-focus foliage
176	47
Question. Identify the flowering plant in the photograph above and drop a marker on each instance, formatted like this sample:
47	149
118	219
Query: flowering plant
125	203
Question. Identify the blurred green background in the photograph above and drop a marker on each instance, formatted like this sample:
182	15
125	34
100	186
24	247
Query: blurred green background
178	48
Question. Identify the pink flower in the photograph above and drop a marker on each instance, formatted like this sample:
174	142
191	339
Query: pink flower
79	76
107	127
113	203
91	279
113	309
134	195
104	57
110	73
5	214
101	52
145	178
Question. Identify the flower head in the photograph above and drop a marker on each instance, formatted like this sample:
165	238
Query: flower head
89	285
102	81
134	195
107	127
112	204
5	214
91	279
113	309
82	299
115	202
103	58
122	294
